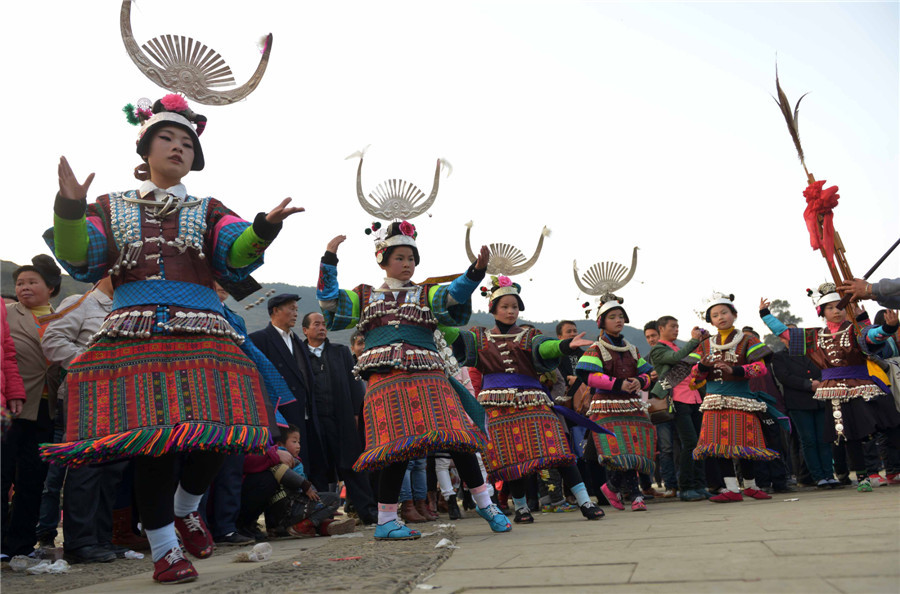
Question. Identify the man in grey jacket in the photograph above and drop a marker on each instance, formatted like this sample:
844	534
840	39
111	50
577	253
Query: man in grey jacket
90	491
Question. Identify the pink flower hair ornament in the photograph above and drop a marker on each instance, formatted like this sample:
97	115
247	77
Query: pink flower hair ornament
174	102
408	229
504	281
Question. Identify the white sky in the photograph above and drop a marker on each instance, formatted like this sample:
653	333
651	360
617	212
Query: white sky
614	124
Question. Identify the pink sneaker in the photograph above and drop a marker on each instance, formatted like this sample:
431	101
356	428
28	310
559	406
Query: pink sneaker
756	494
612	496
638	505
893	479
726	497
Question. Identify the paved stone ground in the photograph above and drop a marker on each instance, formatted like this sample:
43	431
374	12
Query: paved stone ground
834	541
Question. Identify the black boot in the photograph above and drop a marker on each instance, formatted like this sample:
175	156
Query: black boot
453	508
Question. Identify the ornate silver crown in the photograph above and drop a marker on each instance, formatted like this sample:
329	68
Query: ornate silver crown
604	278
397	199
182	65
506	259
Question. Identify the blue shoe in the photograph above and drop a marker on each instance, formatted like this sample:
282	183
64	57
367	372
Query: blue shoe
396	530
495	518
693	495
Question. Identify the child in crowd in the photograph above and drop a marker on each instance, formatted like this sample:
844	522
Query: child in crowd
275	484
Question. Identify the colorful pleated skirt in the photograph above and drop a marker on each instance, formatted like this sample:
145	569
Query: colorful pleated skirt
730	433
409	414
523	441
633	445
149	397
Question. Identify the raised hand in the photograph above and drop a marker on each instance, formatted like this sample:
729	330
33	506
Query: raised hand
334	243
69	188
890	317
283	211
481	262
696	334
579	341
763	303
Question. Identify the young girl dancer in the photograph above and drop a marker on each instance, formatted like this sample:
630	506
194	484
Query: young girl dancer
861	403
412	407
526	436
165	373
616	373
731	429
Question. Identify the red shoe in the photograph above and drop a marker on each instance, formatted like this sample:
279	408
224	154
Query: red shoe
756	494
614	499
727	497
302	529
173	568
638	505
893	479
195	535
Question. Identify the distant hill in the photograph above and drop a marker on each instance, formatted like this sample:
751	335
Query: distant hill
257	317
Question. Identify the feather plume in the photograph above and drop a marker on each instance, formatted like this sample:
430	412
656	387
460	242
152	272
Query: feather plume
358	154
446	166
469	225
790	118
546	232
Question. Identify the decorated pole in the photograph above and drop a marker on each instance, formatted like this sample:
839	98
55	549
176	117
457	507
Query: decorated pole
820	203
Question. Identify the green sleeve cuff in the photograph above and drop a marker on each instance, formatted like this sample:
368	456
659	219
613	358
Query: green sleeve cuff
246	249
70	238
451	333
549	349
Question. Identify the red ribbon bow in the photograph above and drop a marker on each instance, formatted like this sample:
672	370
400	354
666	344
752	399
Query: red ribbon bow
821	202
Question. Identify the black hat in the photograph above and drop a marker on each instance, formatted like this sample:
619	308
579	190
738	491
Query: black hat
280	299
47	268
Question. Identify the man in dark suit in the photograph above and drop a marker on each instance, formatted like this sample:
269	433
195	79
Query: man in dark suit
338	397
286	351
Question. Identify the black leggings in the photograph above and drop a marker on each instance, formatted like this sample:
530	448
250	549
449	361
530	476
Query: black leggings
391	478
155	482
569	474
726	467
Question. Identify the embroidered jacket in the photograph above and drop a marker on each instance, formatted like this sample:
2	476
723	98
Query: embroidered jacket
401	329
157	258
511	364
604	367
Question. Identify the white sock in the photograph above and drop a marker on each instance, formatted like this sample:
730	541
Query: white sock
162	540
387	512
481	496
185	503
731	484
750	483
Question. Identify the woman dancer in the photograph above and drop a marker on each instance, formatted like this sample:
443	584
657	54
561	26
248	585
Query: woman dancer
526	436
731	428
616	373
412	407
861	402
164	374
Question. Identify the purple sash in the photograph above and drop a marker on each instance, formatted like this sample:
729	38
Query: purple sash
498	381
853	372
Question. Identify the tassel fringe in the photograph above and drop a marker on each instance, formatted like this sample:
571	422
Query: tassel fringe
511	473
416	446
628	462
158	441
733	452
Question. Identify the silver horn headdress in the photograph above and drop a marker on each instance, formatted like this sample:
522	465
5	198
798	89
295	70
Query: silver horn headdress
182	65
603	279
506	259
397	199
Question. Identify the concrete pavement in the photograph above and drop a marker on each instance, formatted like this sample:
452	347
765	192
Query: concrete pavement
833	541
